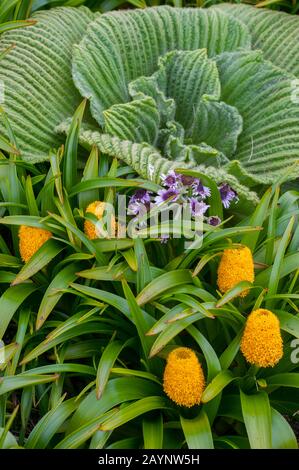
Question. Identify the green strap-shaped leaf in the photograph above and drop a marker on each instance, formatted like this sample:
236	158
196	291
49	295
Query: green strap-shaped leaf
39	91
288	322
217	385
162	283
9	441
211	358
198	432
152	427
4	27
108	358
39	260
134	410
10	301
290	379
14	382
7	146
48	425
6	353
111	299
283	436
117	391
275	33
81	435
257	417
54	292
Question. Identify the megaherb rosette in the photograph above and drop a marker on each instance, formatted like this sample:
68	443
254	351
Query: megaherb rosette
168	88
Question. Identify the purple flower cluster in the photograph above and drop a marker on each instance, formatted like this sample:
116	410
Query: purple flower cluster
227	195
198	208
183	184
181	189
169	194
139	202
186	189
214	220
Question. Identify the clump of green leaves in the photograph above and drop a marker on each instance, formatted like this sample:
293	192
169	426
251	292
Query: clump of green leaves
87	325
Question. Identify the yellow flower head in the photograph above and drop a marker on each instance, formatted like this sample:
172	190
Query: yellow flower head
236	265
261	342
183	379
91	230
31	239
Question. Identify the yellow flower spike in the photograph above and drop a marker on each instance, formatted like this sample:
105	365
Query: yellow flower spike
261	343
236	265
97	208
30	240
183	379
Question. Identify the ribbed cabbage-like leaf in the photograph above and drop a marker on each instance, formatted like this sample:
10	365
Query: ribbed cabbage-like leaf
205	97
274	32
168	87
218	124
38	86
122	46
261	92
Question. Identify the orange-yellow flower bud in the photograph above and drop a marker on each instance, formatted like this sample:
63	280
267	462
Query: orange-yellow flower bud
30	240
261	343
183	379
91	229
236	265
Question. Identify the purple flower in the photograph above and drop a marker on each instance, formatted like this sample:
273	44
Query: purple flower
139	202
214	220
171	179
227	194
188	180
198	208
200	190
141	195
135	208
165	194
164	238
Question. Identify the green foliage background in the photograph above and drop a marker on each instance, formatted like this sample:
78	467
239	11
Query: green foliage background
87	325
21	9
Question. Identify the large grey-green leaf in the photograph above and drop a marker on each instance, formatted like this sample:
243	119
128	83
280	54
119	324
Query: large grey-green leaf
151	86
188	76
275	33
217	124
122	46
137	121
120	51
261	92
39	91
180	90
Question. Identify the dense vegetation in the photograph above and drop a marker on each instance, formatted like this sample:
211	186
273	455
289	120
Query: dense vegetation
143	342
